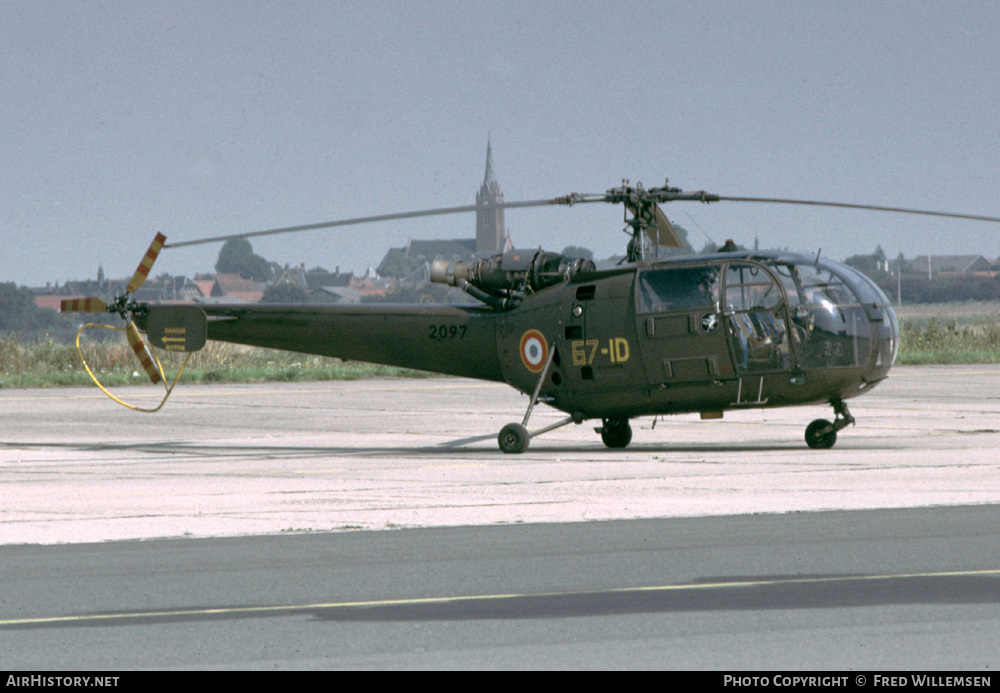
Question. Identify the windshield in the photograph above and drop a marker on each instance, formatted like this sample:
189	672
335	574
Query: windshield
832	307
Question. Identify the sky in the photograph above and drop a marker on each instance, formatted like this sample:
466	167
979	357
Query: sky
123	119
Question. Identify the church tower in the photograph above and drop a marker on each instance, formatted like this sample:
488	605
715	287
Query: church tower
490	230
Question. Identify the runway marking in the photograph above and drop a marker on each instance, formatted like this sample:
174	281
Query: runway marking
293	608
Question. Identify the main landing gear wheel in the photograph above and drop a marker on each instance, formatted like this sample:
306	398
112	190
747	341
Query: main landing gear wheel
821	435
616	433
514	438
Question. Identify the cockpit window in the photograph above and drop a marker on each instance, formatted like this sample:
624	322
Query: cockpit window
821	286
788	277
756	318
750	287
867	290
831	326
678	288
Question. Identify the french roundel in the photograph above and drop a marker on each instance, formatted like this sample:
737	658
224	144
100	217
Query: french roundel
534	350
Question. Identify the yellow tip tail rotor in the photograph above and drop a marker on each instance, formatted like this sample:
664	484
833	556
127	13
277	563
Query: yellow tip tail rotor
142	352
83	305
147	263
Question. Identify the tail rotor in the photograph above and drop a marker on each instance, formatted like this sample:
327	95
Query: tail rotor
126	308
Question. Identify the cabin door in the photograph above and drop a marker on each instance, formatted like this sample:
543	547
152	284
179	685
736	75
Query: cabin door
680	325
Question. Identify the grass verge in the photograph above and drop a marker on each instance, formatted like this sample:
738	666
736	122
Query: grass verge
48	364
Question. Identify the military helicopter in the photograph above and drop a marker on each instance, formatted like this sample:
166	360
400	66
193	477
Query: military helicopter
650	336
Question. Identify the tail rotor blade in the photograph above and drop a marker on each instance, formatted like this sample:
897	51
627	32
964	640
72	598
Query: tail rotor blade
83	305
142	352
147	263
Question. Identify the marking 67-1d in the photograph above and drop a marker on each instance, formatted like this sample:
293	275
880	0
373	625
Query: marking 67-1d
583	351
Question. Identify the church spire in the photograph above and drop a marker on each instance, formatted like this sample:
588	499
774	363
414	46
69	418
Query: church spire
489	177
490	230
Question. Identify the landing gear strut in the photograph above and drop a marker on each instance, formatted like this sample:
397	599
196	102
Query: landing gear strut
514	437
822	434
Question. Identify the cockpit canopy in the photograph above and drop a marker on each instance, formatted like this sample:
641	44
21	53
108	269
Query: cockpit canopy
783	310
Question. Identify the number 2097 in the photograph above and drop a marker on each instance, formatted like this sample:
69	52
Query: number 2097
440	333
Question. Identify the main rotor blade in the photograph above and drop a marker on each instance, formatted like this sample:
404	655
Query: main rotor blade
614	196
845	205
570	199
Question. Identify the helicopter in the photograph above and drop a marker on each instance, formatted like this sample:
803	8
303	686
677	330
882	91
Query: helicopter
706	334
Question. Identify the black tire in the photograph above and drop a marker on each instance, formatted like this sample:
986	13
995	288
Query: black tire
513	438
616	433
817	439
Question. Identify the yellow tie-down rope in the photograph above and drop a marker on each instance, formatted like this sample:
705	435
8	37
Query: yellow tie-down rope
159	367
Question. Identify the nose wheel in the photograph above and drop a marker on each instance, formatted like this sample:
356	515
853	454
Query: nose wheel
822	434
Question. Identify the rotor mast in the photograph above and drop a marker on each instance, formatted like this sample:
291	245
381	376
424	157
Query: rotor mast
647	221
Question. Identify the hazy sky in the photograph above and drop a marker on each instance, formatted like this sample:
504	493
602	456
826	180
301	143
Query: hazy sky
194	119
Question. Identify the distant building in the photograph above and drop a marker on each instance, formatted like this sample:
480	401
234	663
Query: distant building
929	265
173	289
455	249
232	286
491	235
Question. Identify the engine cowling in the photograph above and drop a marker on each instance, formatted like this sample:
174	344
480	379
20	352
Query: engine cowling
509	276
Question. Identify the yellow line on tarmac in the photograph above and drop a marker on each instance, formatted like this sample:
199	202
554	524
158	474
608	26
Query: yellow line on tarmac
97	619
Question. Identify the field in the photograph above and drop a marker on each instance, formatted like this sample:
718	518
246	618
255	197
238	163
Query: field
930	334
949	333
48	364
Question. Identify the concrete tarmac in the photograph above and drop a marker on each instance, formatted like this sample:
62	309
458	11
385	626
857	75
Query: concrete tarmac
227	460
873	591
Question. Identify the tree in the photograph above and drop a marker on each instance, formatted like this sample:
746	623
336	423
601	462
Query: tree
17	309
237	256
19	314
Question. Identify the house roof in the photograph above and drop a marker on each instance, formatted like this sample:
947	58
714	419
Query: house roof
317	280
949	263
454	249
339	294
206	286
235	286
